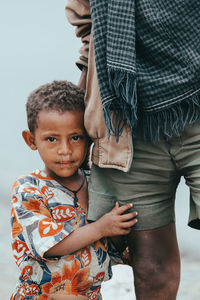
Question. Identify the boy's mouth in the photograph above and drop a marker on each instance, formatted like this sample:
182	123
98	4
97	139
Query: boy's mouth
66	163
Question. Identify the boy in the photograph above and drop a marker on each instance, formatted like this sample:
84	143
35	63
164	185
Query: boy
59	255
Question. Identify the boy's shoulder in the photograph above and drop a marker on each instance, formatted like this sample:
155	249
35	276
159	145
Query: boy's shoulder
30	181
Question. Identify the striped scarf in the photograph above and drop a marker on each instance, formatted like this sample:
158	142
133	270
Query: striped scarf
165	34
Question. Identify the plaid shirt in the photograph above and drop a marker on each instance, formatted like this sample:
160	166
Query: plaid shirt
168	52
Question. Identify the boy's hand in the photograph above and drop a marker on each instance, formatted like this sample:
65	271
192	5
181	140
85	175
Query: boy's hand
111	224
117	223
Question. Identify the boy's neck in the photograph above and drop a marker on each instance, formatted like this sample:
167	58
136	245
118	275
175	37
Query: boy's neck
72	182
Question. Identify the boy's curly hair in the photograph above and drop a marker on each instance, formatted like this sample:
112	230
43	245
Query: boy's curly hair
58	95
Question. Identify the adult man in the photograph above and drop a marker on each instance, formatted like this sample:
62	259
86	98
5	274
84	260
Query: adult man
145	125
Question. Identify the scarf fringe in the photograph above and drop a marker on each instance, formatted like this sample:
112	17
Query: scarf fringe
123	108
171	121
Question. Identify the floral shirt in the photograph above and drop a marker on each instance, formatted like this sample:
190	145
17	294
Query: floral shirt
43	214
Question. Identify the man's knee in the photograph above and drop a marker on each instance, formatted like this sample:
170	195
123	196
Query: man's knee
156	263
157	277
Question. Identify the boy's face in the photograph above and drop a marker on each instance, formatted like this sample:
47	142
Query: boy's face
61	141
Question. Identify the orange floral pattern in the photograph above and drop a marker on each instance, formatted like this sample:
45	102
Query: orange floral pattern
19	249
63	213
73	281
49	228
43	213
26	272
41	175
16	227
47	193
85	257
94	295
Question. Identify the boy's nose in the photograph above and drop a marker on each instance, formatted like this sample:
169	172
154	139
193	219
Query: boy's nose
64	149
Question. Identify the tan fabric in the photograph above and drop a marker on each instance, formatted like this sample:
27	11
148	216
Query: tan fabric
78	14
105	154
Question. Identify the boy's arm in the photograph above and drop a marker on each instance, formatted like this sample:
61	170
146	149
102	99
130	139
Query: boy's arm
111	224
34	230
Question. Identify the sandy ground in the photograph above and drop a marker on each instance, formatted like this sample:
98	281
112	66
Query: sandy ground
121	286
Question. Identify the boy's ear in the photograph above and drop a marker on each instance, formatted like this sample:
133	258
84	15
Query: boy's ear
29	139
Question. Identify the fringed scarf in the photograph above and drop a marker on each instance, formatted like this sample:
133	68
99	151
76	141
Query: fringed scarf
154	83
114	40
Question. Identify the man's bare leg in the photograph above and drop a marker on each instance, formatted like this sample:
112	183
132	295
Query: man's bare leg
155	260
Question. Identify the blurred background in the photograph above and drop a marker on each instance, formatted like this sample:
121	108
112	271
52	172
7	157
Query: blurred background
37	46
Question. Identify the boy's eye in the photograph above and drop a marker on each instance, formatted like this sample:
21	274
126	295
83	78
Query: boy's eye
51	139
76	138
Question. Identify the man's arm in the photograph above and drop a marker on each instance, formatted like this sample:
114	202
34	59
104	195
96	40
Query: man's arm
78	15
83	78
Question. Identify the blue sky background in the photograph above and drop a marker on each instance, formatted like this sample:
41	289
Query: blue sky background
37	46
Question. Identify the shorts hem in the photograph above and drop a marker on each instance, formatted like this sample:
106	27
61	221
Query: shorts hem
156	226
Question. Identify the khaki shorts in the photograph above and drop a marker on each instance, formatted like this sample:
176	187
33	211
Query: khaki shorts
152	181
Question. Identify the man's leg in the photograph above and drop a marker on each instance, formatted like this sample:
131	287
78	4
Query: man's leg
151	186
156	263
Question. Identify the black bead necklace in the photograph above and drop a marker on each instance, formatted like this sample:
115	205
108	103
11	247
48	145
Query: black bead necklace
75	192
